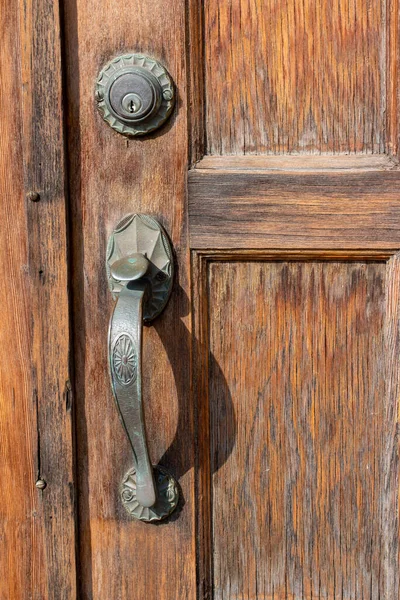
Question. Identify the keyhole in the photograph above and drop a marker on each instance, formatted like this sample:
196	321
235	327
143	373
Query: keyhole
131	103
132	107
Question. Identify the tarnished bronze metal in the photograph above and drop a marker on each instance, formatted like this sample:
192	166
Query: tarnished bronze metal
140	272
167	495
134	94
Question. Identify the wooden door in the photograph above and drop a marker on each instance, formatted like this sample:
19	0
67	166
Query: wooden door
271	381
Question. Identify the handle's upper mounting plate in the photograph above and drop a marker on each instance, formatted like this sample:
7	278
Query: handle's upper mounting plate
135	94
141	234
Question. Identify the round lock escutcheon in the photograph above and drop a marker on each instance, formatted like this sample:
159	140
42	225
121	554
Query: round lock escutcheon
134	94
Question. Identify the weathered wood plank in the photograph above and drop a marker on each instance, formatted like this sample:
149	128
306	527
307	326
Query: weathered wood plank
196	114
110	177
201	360
336	210
391	69
301	76
302	163
304	430
37	532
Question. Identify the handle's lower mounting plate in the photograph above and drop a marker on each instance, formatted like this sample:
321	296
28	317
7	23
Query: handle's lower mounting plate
167	498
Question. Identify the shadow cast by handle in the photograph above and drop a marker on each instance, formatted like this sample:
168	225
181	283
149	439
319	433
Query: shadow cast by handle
178	458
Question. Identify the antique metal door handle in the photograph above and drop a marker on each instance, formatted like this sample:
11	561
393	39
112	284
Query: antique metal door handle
140	272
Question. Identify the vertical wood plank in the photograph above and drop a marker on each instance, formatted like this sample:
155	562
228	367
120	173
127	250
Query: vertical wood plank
389	467
391	75
200	378
37	531
196	67
110	177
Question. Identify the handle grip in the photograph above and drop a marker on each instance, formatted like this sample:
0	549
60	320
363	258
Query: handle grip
139	269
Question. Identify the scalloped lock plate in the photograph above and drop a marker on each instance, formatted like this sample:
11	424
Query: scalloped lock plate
123	65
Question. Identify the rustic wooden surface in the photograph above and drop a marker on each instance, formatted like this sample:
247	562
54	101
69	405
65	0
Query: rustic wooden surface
200	377
265	209
391	16
301	163
303	430
110	177
316	404
301	76
196	91
37	538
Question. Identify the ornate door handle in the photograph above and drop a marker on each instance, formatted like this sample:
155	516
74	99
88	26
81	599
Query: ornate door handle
140	273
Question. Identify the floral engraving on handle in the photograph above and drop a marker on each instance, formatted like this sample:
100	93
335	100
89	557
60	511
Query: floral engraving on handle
124	360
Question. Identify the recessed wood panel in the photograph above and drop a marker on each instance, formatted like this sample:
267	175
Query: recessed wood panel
303	425
299	75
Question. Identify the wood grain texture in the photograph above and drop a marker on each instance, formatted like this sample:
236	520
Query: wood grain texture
200	374
111	176
337	210
301	163
37	536
392	15
196	91
304	436
301	76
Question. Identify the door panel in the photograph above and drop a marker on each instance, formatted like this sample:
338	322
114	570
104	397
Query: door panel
297	76
298	506
298	381
295	279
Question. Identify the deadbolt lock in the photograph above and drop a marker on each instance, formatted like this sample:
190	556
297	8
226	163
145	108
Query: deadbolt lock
135	94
